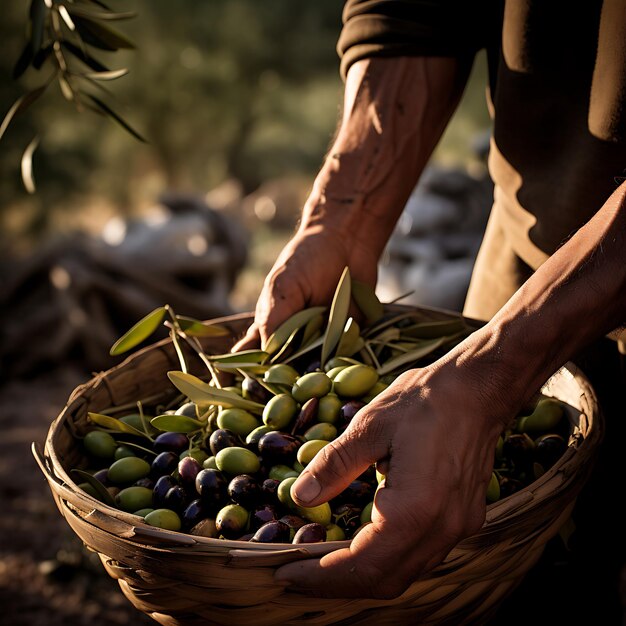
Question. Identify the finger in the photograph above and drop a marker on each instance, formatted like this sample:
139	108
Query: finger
250	340
338	463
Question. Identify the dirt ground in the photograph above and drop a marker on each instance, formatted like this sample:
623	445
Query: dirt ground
47	578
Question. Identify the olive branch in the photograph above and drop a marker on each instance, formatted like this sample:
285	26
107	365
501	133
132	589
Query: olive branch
63	35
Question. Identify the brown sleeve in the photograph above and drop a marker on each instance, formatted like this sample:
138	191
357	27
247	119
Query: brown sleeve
457	28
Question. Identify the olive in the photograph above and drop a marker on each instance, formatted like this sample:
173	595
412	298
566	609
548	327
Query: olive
546	416
188	469
281	374
279	411
221	439
549	449
146	482
99	444
113	491
237	421
518	449
252	440
306	417
308	450
338	361
377	389
358	492
272	532
320	514
128	470
232	521
244	490
89	489
164	463
163	518
141	424
499	448
171	442
321	430
209	463
212	487
335	370
143	512
262	514
366	513
134	498
122	452
188	409
349	410
195	453
161	487
293	521
176	499
334	533
237	460
347	517
102	476
205	528
233	389
280	472
298	467
313	366
269	489
310	533
246	537
311	385
355	381
509	486
329	408
253	390
284	492
493	489
194	512
278	447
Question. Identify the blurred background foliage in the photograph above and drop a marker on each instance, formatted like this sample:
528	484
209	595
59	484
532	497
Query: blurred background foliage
227	90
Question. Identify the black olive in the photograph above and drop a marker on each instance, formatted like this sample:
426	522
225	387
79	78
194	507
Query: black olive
261	515
195	512
171	442
244	490
347	517
253	390
102	476
358	493
211	486
269	490
348	411
164	463
272	532
279	448
549	449
176	499
161	487
188	469
518	449
509	486
222	438
310	533
146	482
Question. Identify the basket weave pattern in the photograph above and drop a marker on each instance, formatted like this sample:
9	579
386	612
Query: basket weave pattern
180	579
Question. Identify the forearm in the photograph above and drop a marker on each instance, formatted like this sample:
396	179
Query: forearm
395	111
578	295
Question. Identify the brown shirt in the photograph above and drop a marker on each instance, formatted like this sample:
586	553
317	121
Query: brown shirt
558	100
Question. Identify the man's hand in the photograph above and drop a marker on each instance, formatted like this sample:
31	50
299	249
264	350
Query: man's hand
437	438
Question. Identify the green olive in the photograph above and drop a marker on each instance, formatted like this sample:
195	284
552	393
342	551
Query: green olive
322	430
195	453
100	444
298	467
334	533
311	385
89	489
238	421
338	361
134	498
128	470
163	518
355	381
547	414
320	514
308	450
209	463
143	512
333	372
237	460
379	477
122	452
284	492
279	411
232	521
499	447
134	420
378	388
366	513
254	436
280	472
281	374
329	408
493	490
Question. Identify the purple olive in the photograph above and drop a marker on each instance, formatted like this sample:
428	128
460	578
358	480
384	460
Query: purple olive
549	449
509	486
306	417
348	411
176	499
102	476
348	517
244	490
246	537
193	513
171	442
519	450
293	521
188	469
272	532
161	487
313	366
310	533
211	486
253	390
222	438
269	490
358	492
261	515
279	448
146	482
164	463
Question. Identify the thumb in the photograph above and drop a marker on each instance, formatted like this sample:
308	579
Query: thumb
250	340
337	464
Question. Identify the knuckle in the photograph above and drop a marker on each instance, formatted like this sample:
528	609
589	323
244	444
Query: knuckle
336	459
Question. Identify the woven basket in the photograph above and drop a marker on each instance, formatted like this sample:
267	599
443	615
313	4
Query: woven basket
182	579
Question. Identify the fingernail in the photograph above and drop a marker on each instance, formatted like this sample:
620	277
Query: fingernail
306	488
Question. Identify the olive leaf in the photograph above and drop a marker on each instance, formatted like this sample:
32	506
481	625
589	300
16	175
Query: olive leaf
103	493
27	165
24	61
337	316
243	356
431	330
286	348
111	75
411	356
111	113
196	328
38	13
108	15
252	368
350	341
101	36
311	330
131	444
139	332
22	103
276	340
312	346
367	301
176	423
106	421
84	56
203	394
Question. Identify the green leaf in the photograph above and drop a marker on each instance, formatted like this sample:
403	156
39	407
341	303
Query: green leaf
109	111
101	36
412	355
24	61
103	493
112	75
38	12
312	346
431	330
338	315
112	423
27	165
176	423
139	332
277	339
85	57
131	444
196	328
109	16
22	103
243	356
367	301
251	368
350	341
286	348
312	330
203	394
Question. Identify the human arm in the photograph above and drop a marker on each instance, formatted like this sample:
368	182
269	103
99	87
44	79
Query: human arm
395	110
436	427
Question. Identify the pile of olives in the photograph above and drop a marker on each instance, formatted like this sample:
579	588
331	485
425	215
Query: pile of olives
226	472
